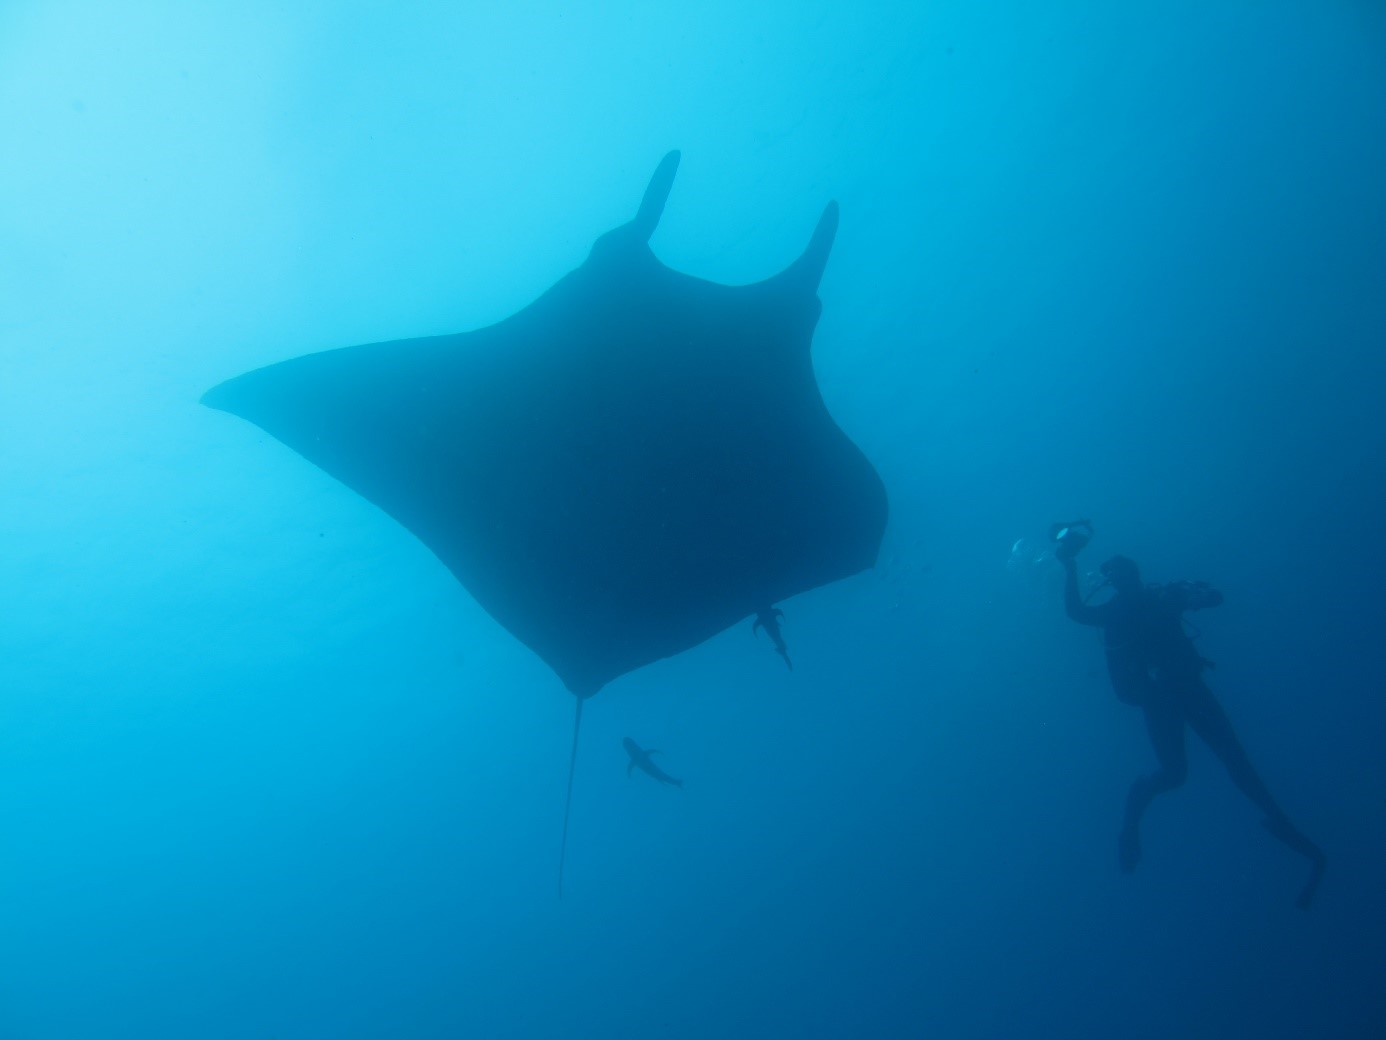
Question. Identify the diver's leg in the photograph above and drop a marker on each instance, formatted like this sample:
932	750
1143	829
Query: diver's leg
1206	717
1166	728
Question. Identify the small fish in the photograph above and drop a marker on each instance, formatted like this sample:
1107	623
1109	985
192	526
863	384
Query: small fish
641	758
769	618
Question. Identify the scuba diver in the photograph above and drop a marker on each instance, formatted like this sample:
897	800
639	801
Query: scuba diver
769	618
1153	665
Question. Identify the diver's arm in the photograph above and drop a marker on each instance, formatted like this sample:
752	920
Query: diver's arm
1073	602
1192	595
1208	597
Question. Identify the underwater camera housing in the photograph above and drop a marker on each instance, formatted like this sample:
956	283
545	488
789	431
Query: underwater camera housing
1070	537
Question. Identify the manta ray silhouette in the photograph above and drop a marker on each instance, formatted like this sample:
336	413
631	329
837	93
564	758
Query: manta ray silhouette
629	465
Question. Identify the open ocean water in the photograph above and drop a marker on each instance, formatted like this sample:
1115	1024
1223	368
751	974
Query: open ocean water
268	771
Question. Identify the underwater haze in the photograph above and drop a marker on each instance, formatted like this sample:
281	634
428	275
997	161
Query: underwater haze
266	768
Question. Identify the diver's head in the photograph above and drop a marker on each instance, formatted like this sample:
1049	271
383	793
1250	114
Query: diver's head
1122	574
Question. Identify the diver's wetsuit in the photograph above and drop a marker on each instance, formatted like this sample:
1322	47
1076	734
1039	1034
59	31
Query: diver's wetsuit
1153	664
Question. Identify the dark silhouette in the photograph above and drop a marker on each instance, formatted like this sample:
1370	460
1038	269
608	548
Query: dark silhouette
642	760
1154	665
769	618
604	469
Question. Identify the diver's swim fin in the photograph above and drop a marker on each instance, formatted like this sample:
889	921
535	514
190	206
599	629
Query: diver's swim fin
1283	830
1306	895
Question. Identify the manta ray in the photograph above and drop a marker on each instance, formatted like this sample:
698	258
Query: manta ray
627	466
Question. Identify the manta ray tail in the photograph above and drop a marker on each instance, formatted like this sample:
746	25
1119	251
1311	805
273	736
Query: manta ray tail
568	804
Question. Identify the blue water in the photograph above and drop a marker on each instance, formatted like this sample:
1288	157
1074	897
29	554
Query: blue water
266	770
